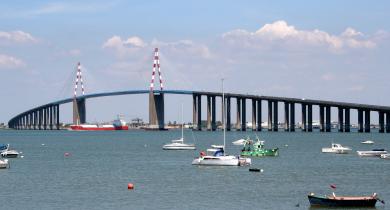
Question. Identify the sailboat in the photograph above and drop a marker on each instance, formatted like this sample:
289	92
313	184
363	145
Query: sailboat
216	156
179	144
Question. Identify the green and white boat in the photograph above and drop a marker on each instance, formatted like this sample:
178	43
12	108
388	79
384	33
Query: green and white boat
256	149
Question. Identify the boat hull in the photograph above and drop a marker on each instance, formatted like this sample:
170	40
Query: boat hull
371	153
261	153
324	201
167	147
221	161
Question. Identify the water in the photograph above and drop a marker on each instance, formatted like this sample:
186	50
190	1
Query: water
101	164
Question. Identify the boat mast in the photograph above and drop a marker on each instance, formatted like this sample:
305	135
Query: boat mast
182	123
223	117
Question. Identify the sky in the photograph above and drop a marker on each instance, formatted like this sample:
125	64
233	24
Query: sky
328	50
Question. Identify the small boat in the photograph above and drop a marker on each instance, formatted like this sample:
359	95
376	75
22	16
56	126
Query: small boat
3	147
343	201
4	163
372	153
367	142
9	153
179	143
385	156
257	149
336	148
217	157
239	142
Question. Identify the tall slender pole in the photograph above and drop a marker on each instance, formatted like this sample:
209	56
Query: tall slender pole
223	117
182	123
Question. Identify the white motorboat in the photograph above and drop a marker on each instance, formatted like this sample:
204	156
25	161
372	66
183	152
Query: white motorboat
216	156
372	153
336	148
9	153
4	163
179	143
367	142
239	142
385	156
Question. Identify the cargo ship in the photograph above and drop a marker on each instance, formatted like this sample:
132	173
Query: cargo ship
117	124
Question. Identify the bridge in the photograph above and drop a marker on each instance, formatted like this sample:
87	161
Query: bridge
46	117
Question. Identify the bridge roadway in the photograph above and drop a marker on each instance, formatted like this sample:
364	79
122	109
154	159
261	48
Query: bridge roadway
47	115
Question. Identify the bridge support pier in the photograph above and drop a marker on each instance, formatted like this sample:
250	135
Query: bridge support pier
275	116
269	115
292	117
310	118
213	114
387	122
360	120
156	111
238	123
304	128
347	125
228	115
322	126
258	115
381	122
243	116
286	117
208	113
341	119
199	112
254	114
367	121
328	118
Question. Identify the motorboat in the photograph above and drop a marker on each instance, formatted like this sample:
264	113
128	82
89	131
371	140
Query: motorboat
179	143
4	163
367	142
239	142
3	147
9	153
216	156
257	149
385	156
343	201
336	148
372	153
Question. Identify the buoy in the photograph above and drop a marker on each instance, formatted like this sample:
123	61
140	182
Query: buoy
66	154
130	186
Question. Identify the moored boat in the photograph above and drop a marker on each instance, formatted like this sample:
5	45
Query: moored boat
239	142
367	142
4	163
257	149
217	157
343	201
9	153
336	148
372	153
117	124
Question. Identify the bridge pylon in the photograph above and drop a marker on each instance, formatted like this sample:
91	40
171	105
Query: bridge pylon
156	99
79	111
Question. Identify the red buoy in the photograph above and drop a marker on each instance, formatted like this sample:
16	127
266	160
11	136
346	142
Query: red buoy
130	186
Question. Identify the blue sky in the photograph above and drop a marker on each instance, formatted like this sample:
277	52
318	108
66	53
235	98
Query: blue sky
332	50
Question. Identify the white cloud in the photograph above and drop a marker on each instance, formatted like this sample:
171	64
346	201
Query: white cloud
282	35
16	36
7	61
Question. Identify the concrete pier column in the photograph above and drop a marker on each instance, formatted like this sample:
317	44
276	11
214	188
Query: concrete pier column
199	119
304	126
35	119
194	110
275	116
322	117
243	117
254	114
40	119
228	115
328	117
367	121
213	114
347	124
309	118
286	116
360	120
58	116
238	123
208	113
44	118
341	119
258	115
292	117
381	122
269	115
387	122
51	117
156	110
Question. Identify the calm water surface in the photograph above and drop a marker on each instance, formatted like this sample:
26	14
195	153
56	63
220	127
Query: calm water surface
101	164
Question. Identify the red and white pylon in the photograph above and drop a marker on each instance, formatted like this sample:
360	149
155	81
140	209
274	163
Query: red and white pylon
79	77
156	64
